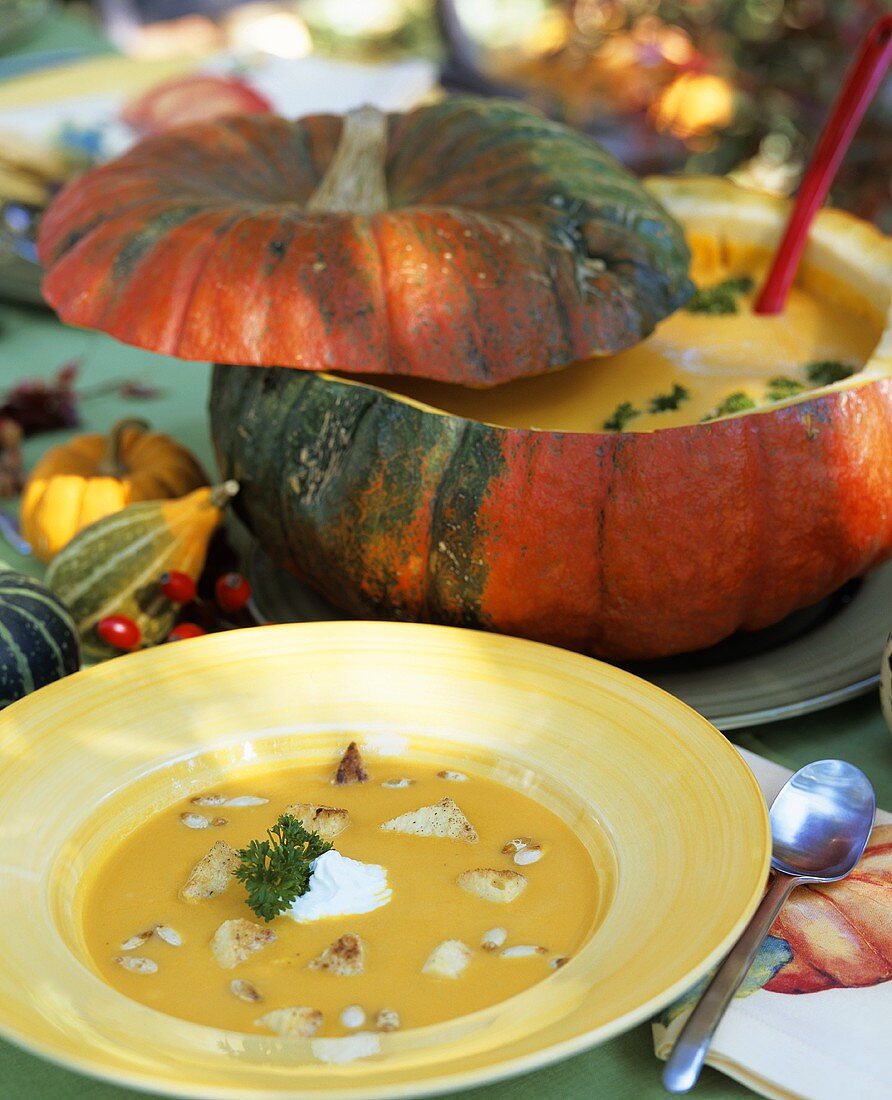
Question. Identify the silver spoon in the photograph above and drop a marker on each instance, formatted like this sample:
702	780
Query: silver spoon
820	824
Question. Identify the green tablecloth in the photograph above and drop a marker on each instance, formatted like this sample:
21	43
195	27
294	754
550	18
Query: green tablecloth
32	343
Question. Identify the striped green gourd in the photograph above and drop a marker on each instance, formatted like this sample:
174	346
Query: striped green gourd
114	566
38	639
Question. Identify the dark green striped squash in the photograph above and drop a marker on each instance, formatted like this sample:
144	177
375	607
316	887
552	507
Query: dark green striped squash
471	241
38	639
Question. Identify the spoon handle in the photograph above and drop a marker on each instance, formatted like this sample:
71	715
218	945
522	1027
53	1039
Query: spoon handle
686	1060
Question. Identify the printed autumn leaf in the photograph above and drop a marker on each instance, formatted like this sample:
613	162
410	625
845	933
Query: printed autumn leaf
841	934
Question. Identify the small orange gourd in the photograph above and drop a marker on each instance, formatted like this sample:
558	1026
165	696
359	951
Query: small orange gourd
95	475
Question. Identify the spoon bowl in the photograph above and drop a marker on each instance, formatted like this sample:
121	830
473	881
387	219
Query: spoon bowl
820	825
821	821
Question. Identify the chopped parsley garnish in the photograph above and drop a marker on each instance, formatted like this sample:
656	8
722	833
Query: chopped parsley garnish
666	402
277	871
721	298
621	416
733	403
781	387
824	372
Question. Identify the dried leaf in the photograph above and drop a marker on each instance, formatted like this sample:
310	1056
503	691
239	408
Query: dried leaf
12	475
38	405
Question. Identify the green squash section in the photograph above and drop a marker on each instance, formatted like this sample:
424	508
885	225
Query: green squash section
38	640
312	454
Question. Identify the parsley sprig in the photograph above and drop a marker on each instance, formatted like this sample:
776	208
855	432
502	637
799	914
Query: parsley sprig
721	298
277	871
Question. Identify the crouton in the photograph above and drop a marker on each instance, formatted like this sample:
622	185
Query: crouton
448	959
327	821
300	1021
345	957
443	819
493	885
237	940
387	1019
212	874
351	768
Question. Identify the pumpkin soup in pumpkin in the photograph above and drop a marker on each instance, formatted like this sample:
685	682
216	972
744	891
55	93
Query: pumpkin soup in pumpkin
700	364
445	893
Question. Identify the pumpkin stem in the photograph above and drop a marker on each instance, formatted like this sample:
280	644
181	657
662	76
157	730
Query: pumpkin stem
222	494
112	463
354	182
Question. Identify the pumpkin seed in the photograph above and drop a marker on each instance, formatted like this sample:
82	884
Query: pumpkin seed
558	961
516	844
245	991
218	821
246	800
208	800
523	951
169	935
456	777
395	784
494	938
528	855
137	941
194	821
136	964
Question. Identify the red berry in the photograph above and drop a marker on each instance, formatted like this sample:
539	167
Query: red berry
178	587
119	631
232	592
182	631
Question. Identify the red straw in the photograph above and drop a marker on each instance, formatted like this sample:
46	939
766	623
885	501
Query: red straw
854	98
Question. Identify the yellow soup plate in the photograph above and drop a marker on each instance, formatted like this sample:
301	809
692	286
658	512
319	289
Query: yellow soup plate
84	760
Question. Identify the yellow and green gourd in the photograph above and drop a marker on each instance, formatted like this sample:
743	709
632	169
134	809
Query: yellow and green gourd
114	566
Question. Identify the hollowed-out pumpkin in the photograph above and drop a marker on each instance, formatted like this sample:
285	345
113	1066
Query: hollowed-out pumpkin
624	544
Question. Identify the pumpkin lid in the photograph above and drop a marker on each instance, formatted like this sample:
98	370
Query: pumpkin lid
470	241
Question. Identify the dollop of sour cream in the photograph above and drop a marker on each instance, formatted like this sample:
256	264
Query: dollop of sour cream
340	887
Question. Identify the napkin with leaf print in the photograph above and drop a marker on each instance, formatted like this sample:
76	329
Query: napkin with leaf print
813	1019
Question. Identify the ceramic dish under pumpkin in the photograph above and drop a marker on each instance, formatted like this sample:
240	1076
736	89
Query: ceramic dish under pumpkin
86	759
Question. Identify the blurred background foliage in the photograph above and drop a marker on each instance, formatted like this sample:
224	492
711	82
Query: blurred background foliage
726	86
739	87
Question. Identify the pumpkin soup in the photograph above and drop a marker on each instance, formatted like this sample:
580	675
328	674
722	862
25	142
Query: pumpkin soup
374	895
709	360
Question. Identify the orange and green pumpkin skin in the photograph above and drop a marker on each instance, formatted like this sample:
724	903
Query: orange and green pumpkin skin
596	542
624	545
498	244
